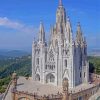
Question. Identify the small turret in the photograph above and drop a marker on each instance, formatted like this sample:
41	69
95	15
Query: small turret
41	33
79	38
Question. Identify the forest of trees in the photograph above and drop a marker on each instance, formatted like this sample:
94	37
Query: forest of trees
94	65
22	66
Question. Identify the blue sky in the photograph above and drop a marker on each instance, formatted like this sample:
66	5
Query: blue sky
19	20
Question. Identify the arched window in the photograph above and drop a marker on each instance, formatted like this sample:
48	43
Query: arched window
54	66
50	67
37	77
37	61
56	42
46	67
65	63
84	74
80	98
80	74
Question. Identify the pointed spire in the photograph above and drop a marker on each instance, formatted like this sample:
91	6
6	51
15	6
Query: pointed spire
79	37
41	33
79	28
51	32
60	2
69	30
41	28
68	23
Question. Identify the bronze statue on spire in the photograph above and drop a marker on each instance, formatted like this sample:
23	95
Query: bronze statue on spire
60	2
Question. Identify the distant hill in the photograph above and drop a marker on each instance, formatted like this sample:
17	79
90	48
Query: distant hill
12	53
94	52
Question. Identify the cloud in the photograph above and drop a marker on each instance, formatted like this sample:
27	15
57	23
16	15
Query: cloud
4	21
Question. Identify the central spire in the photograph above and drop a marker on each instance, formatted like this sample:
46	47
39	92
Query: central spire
60	2
61	14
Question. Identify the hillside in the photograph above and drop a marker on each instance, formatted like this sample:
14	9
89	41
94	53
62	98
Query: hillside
22	66
12	53
94	64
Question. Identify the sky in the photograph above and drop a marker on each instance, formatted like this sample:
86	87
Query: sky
20	19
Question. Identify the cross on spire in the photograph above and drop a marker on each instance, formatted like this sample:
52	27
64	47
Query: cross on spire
60	2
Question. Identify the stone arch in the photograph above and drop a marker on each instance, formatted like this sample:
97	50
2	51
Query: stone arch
37	77
65	78
50	78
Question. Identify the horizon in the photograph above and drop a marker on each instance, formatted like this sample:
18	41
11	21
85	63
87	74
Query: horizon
19	21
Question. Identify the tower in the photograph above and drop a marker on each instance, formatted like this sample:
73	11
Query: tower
64	57
79	37
38	55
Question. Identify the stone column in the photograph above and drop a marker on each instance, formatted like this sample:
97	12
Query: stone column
65	89
14	86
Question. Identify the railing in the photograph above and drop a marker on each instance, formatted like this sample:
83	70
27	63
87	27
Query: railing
3	98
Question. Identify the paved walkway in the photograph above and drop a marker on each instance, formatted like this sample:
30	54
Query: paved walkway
36	87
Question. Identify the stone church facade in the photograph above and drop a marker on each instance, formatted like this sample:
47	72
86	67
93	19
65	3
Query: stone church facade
64	57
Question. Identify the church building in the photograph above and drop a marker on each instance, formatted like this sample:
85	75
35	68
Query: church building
63	57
